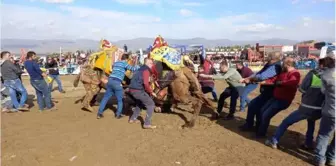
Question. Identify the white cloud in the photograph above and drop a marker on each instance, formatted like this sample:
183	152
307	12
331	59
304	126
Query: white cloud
192	4
186	13
56	1
77	22
295	1
136	2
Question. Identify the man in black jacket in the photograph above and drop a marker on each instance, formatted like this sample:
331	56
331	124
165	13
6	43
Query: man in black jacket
52	67
10	75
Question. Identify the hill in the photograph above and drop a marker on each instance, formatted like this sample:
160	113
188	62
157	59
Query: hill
48	46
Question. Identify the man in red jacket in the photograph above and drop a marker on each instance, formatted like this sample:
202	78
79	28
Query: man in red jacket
207	84
286	85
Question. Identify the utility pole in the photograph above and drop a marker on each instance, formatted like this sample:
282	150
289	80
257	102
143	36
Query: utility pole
60	54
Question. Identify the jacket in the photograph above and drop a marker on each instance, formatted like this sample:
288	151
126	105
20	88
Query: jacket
33	70
312	96
268	72
53	67
232	77
9	71
328	88
139	81
286	85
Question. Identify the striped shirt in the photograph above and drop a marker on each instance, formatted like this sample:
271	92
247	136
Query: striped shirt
119	68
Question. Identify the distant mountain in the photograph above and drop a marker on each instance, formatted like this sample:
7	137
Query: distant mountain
49	46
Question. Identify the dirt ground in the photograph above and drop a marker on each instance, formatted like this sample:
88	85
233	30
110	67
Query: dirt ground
70	136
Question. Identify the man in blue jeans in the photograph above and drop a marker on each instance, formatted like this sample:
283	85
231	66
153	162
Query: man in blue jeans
235	89
54	74
270	70
37	81
310	109
245	72
114	86
141	91
325	152
10	74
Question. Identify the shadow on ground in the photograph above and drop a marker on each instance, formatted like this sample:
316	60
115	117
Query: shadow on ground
289	143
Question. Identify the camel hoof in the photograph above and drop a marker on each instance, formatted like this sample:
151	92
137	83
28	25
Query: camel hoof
157	109
188	125
89	109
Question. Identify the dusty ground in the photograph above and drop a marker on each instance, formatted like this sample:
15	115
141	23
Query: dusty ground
70	136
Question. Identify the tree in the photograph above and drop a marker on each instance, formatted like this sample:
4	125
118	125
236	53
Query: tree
247	46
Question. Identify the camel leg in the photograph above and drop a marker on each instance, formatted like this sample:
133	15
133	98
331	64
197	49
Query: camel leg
91	91
196	105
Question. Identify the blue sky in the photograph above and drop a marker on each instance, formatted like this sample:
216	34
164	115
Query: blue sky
125	19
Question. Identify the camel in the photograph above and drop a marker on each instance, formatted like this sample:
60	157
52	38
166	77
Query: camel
182	83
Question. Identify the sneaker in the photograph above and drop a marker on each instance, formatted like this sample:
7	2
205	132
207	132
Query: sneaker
271	144
134	121
62	91
149	127
330	163
99	116
13	110
50	109
23	109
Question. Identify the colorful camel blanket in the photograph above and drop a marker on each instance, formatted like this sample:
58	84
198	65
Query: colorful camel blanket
168	55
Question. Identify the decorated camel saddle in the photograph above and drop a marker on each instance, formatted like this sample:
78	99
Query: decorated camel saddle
169	65
102	61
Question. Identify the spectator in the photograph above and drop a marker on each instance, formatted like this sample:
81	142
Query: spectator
270	70
125	47
141	91
245	72
286	85
207	85
10	74
208	65
52	67
37	81
325	154
114	86
235	89
16	63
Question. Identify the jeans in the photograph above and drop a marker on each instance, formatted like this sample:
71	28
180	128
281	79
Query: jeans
113	88
302	113
58	80
207	89
323	151
244	97
233	93
270	109
16	86
254	109
43	94
143	99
